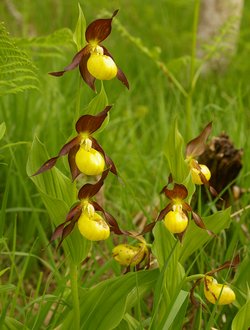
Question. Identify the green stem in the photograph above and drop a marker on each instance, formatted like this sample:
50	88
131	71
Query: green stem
189	99
75	296
194	277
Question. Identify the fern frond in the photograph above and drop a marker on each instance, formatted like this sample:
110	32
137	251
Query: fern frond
52	45
17	71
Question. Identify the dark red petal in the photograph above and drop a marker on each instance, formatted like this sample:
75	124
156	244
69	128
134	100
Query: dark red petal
164	212
148	228
186	207
91	123
73	211
75	62
178	192
68	146
109	162
120	75
99	29
197	146
89	190
228	264
57	232
86	76
110	219
66	231
47	165
198	221
72	162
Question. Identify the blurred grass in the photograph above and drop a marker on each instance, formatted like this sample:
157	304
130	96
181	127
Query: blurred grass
139	122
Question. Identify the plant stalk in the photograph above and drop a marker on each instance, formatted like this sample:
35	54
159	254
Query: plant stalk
75	295
189	99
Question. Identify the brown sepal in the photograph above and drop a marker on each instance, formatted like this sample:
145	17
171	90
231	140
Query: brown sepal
69	145
75	212
148	228
109	162
110	219
228	264
91	123
120	74
86	75
46	166
72	162
197	146
89	190
99	29
164	211
68	229
186	207
198	221
178	192
75	62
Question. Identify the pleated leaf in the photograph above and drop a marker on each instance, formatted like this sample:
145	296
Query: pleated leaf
58	194
196	237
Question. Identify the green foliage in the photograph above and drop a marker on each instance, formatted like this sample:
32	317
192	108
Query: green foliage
17	72
242	318
79	34
58	194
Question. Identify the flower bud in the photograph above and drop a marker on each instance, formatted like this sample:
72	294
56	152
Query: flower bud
89	162
128	255
217	293
176	221
101	67
93	228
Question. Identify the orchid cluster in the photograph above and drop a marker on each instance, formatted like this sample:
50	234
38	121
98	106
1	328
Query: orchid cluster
86	156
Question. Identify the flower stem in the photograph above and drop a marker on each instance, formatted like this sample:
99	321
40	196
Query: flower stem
189	99
75	296
194	277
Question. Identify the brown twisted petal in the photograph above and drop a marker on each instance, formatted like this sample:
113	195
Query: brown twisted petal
197	146
75	62
164	212
228	264
109	162
72	163
89	190
91	123
120	75
68	229
86	76
61	230
99	29
199	222
110	219
52	161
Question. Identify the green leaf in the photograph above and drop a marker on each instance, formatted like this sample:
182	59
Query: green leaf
175	156
58	194
17	71
2	130
79	34
166	249
98	103
196	237
242	318
103	306
177	314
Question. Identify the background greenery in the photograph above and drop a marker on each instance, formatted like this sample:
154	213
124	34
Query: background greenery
135	137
